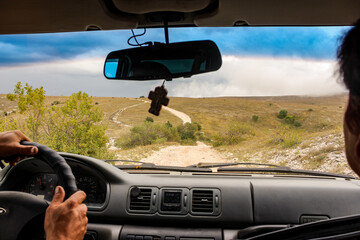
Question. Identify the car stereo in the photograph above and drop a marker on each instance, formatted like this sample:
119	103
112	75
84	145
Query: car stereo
174	200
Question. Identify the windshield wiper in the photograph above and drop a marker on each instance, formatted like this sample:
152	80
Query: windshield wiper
131	161
224	167
285	170
213	165
151	166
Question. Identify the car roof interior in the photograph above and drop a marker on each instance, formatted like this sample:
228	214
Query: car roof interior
41	16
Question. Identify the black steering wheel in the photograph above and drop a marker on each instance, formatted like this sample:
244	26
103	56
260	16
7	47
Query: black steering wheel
18	209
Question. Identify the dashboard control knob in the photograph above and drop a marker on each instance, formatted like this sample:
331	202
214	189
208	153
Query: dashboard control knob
135	192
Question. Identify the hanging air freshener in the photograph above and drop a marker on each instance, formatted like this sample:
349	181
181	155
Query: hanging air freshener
158	98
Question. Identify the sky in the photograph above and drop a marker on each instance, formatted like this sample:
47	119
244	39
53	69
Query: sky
261	61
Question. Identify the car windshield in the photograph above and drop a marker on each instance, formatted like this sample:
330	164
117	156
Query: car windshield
275	100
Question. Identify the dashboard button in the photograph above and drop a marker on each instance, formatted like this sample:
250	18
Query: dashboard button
148	238
170	238
137	237
130	237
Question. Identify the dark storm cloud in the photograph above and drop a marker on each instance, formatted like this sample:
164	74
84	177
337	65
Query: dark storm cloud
298	42
49	47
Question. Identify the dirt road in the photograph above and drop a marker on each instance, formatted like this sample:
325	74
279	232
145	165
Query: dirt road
115	116
183	116
185	155
111	145
174	155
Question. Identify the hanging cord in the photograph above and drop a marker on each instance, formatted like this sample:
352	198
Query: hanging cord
134	36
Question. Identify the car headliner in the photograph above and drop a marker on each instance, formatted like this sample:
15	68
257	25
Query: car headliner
40	16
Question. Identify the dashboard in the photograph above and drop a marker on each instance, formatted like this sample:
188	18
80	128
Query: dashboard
188	206
43	186
38	179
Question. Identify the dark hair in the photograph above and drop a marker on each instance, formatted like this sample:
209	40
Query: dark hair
348	56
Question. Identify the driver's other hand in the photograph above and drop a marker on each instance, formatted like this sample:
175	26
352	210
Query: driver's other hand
66	220
10	148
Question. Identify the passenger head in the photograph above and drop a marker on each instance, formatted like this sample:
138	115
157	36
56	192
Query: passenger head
349	62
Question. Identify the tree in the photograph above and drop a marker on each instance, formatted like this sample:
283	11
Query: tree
30	100
75	126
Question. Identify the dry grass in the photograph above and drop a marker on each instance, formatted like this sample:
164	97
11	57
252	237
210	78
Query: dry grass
135	154
271	135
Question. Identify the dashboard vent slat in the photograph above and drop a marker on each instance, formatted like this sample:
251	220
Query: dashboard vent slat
141	201
202	201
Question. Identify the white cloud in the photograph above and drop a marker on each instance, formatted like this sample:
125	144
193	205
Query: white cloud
263	77
237	77
67	77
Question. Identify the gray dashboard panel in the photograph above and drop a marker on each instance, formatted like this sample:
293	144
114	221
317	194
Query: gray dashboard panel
245	200
235	202
284	201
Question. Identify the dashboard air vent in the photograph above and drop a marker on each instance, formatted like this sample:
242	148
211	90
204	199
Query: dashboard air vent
140	199
202	201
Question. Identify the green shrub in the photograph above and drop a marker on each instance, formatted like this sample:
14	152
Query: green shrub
201	137
289	119
188	130
77	127
197	125
74	127
297	124
168	124
255	118
149	133
56	102
149	119
235	133
282	114
310	110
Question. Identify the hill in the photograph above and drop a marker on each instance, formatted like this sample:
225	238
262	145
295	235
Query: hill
240	129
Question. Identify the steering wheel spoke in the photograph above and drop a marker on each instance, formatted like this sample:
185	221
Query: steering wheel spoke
18	210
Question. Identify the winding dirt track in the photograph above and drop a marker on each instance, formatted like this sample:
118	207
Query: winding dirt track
175	155
183	116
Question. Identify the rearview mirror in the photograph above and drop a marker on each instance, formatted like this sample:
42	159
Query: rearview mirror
163	61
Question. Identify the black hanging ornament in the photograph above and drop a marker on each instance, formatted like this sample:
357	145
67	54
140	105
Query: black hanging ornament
158	98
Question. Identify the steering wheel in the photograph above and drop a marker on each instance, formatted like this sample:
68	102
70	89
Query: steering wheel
18	209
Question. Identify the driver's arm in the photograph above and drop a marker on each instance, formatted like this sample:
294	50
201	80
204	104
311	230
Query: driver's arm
64	220
10	148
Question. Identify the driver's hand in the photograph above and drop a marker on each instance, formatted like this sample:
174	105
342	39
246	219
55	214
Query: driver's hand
66	220
10	148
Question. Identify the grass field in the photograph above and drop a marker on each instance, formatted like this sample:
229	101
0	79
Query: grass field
271	138
317	141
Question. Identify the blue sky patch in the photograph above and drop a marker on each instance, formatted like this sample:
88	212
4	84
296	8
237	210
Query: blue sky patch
288	42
